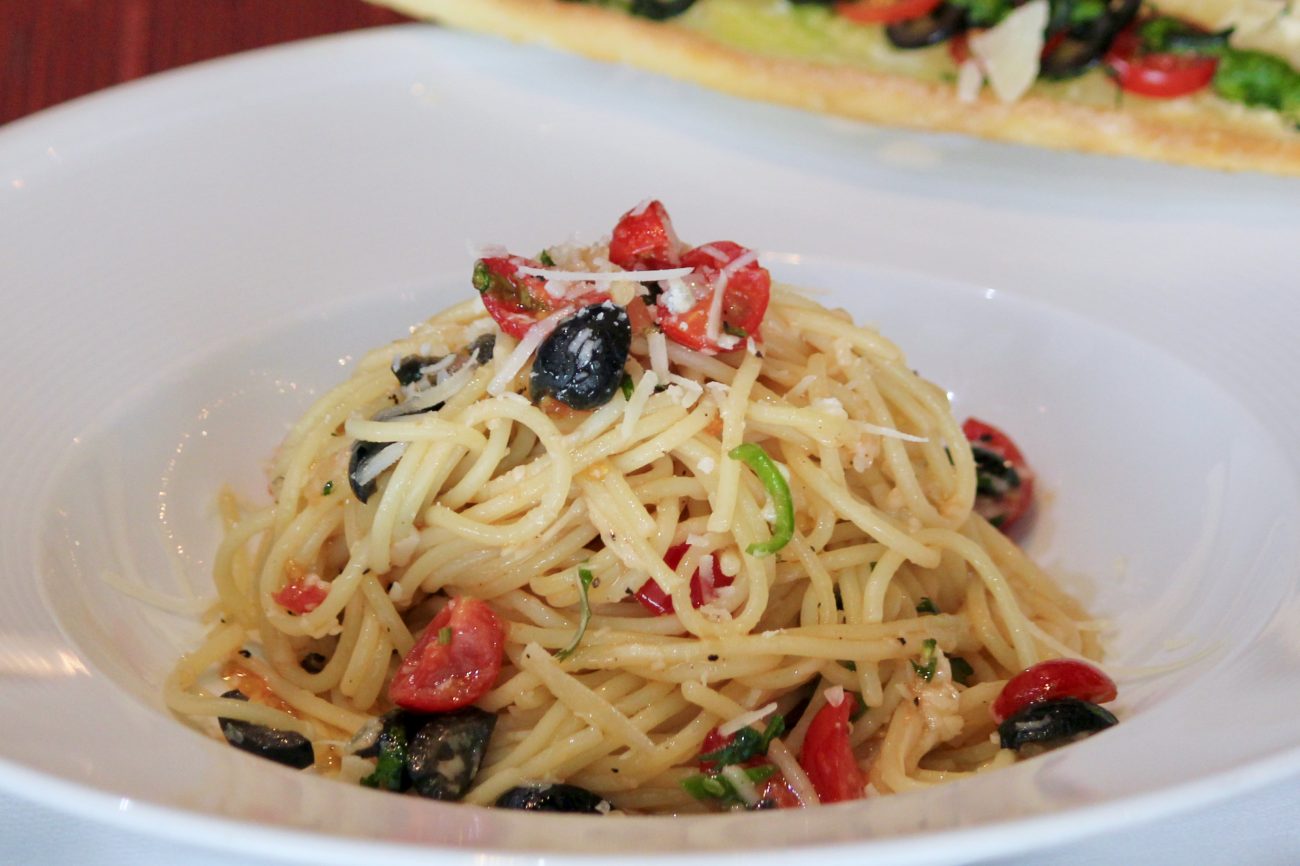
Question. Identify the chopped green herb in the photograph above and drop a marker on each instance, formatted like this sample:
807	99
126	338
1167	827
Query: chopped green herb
482	278
627	387
947	452
849	665
985	13
545	258
734	331
961	670
392	759
1257	79
746	744
327	489
584	617
929	660
927	605
774	482
444	635
710	786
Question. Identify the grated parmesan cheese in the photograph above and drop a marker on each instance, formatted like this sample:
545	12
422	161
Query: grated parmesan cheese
1009	52
602	276
657	344
744	720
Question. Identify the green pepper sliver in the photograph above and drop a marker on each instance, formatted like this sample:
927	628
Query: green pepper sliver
584	616
774	482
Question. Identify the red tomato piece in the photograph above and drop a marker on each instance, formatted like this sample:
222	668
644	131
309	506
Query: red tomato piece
300	596
658	602
1158	75
959	48
1049	680
885	11
644	239
778	791
515	301
455	662
745	295
827	758
1005	482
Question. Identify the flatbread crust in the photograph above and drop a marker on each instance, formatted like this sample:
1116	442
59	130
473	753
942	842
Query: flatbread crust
1205	134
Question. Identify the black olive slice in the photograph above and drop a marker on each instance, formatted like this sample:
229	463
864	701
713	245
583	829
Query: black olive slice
312	663
410	370
1084	46
1052	723
444	755
581	362
553	798
946	21
658	10
362	453
283	747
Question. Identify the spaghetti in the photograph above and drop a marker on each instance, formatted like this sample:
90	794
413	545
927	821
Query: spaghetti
628	552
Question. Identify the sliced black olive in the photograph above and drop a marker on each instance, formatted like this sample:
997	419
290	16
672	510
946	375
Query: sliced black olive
437	754
312	663
482	348
362	453
553	798
994	474
445	754
284	747
1084	44
581	362
658	10
946	21
411	369
1053	723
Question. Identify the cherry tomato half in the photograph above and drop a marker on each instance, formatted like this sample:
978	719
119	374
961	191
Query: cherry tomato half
885	11
1158	75
454	663
644	239
1049	680
300	596
658	602
745	297
827	758
1005	483
518	301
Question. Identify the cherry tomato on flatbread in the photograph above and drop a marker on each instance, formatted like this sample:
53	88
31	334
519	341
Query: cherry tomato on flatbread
1050	680
745	294
1160	75
644	239
517	301
301	596
827	757
1005	483
658	602
454	663
885	11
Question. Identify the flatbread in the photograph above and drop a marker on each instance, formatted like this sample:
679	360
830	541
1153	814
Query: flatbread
1200	130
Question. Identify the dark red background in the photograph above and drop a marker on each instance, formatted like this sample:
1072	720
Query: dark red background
54	50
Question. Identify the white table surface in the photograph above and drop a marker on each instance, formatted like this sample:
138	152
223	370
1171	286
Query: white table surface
1260	829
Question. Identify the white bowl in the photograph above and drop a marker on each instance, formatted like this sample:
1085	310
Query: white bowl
188	261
